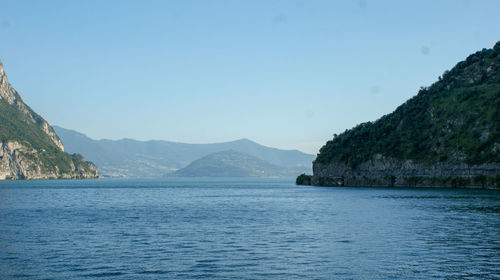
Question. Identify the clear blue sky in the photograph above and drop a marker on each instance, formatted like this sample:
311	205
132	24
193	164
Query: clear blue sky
287	74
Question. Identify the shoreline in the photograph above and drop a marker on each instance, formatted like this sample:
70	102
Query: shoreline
491	182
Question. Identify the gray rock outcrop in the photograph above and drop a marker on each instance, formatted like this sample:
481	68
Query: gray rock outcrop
383	171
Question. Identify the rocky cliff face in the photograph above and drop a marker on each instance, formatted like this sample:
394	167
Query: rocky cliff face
18	161
29	146
383	171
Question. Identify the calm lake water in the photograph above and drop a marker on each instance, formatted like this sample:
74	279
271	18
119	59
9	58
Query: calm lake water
244	229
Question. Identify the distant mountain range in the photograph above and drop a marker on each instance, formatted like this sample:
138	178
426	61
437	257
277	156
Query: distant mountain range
233	164
132	158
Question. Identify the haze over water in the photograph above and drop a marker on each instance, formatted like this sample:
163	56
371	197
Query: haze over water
180	228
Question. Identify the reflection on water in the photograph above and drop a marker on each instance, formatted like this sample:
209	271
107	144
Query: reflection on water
244	229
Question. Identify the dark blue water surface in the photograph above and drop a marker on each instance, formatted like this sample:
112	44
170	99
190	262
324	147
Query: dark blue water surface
244	229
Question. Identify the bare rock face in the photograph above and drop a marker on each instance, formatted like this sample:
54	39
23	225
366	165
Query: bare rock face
15	164
29	146
383	171
18	161
9	94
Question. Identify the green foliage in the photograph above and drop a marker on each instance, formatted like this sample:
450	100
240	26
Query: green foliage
493	180
322	181
303	179
391	179
15	126
457	119
480	179
459	182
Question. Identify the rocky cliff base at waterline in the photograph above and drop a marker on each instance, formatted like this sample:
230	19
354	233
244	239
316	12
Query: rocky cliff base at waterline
382	172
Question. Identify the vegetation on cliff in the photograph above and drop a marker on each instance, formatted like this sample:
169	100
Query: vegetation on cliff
15	127
455	120
29	147
303	179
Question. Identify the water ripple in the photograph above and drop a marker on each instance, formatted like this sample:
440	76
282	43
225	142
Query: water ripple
156	229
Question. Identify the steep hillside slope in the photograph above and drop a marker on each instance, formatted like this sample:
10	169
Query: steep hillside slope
448	134
29	146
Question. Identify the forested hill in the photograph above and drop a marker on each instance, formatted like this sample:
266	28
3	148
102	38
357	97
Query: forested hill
455	120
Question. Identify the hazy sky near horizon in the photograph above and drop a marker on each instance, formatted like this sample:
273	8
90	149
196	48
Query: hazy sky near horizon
286	74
